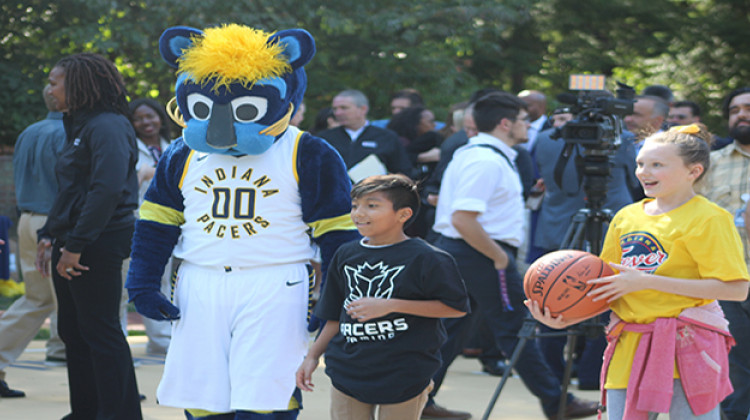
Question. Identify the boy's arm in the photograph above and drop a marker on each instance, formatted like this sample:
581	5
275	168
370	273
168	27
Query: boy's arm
369	308
308	366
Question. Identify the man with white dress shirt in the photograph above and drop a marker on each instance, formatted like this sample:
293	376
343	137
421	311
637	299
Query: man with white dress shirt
480	218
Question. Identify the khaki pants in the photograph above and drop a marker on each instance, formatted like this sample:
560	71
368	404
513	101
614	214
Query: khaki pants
21	322
344	407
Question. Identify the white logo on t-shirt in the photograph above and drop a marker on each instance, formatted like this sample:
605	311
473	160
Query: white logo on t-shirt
370	281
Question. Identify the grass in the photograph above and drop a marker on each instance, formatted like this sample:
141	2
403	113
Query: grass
5	302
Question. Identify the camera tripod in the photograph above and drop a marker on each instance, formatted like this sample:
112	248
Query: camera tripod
586	234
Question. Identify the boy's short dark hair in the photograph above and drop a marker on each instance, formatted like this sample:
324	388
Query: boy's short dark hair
399	189
491	109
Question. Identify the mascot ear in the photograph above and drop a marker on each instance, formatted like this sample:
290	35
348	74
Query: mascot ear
174	41
298	44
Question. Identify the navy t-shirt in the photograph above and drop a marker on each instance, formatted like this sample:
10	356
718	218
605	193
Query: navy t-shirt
390	359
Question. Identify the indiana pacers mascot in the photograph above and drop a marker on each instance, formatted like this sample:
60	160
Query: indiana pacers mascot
240	198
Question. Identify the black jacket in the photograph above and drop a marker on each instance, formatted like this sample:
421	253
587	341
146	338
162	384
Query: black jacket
98	185
373	140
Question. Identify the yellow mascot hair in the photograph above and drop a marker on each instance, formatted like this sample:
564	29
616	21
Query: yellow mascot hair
233	54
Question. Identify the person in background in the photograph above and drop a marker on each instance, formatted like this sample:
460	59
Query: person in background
356	139
415	127
36	186
649	114
480	222
88	232
727	185
660	91
324	120
152	128
684	113
400	100
299	116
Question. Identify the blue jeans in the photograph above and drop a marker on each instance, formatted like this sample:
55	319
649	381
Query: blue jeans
737	405
679	409
483	287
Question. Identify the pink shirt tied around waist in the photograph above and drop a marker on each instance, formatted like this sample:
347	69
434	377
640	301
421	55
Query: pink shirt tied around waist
698	339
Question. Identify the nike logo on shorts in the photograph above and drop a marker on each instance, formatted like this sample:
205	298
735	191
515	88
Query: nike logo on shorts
293	283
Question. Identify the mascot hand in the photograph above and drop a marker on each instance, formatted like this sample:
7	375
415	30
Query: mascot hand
155	305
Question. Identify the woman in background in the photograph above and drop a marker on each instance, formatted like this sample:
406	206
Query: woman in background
153	136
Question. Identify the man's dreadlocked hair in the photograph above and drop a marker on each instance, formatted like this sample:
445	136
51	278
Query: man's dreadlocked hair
93	82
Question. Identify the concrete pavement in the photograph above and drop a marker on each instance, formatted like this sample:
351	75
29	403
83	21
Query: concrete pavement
465	388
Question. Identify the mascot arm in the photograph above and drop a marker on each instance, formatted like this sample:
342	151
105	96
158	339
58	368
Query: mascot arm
326	201
325	189
156	233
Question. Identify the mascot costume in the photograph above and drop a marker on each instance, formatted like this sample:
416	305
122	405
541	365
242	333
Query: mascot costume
241	197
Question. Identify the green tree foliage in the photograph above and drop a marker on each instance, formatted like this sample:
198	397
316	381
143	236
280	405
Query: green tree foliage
444	48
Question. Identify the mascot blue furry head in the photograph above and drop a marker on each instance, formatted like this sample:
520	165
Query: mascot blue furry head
237	87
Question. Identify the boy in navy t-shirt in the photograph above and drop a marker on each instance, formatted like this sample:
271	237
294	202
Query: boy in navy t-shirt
383	301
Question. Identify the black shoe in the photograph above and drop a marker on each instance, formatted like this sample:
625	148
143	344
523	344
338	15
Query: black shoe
53	361
142	397
495	367
6	392
436	412
578	408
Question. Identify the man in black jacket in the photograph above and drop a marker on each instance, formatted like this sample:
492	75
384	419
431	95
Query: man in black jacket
355	139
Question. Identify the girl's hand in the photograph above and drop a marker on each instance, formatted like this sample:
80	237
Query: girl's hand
304	374
546	317
613	287
368	308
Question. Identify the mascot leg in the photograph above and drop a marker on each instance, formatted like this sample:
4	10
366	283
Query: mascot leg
295	404
194	414
267	415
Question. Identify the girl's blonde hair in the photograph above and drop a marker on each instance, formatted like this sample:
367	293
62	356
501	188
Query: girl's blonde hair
693	143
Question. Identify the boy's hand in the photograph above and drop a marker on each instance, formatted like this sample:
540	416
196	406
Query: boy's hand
628	280
546	317
368	308
304	374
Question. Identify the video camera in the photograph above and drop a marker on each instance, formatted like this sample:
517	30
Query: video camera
598	120
597	127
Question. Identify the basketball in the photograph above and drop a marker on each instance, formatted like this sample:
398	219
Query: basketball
557	280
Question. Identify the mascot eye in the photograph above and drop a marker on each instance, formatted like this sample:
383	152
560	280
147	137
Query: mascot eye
249	108
199	106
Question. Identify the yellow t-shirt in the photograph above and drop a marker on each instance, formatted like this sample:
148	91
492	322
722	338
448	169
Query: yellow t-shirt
697	240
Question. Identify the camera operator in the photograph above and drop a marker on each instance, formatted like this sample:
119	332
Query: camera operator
556	213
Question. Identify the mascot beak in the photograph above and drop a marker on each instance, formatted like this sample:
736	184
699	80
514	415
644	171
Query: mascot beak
220	133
